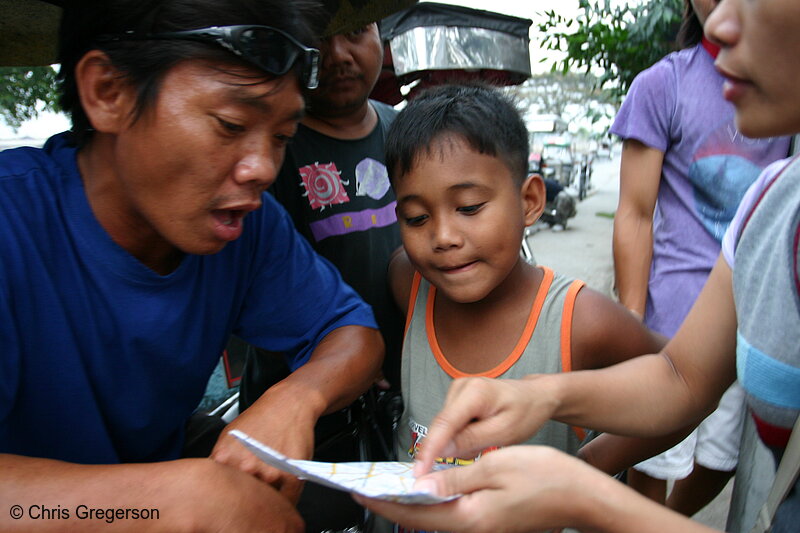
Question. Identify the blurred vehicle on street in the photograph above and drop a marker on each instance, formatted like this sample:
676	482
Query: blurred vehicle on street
541	129
584	175
560	205
558	157
604	150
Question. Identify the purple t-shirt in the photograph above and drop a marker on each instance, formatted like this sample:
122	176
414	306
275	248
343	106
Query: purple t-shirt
676	106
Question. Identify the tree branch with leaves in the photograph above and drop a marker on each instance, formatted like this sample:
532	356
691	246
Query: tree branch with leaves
25	92
613	41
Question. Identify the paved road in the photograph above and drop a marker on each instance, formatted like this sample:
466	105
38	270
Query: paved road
583	250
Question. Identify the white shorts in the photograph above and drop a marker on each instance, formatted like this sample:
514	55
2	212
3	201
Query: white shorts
714	444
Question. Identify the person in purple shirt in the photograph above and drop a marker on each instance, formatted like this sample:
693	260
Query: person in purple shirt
685	167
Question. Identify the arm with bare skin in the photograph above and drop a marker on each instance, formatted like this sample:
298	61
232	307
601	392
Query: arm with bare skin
342	366
188	494
604	333
640	175
533	488
401	276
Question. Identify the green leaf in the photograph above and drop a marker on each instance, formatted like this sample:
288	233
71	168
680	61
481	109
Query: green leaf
25	92
619	40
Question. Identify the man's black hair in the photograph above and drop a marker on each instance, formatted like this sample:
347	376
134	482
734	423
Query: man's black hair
145	63
479	114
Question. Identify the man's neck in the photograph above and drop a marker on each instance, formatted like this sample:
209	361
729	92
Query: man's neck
110	208
351	125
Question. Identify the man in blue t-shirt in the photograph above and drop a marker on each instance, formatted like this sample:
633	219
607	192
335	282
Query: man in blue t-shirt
131	248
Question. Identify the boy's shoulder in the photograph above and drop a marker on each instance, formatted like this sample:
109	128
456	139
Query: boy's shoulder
560	286
604	332
401	278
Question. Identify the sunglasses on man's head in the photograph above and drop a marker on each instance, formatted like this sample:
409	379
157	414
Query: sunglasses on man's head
269	49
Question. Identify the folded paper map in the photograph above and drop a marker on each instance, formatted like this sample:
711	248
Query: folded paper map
388	480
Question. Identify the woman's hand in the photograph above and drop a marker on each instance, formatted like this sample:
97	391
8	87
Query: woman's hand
532	488
515	489
479	413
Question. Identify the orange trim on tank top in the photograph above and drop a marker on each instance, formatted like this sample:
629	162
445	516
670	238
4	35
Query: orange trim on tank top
566	337
412	299
515	354
566	325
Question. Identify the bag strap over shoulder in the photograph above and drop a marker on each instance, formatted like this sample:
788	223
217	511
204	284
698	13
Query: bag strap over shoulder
785	478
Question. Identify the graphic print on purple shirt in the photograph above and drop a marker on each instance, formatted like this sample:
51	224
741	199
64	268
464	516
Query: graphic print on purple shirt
342	223
372	179
324	185
723	167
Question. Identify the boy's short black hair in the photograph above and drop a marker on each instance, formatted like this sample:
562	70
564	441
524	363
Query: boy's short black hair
145	63
486	119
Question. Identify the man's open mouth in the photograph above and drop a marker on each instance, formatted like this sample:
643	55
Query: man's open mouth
229	217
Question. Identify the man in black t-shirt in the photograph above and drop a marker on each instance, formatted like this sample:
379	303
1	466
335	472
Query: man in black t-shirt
334	184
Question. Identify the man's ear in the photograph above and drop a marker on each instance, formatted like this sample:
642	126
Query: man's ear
106	96
534	196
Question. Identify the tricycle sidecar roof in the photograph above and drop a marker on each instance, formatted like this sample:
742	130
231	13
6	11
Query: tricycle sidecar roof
432	43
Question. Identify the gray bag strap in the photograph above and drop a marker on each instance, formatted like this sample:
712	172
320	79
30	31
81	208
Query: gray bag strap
784	480
794	146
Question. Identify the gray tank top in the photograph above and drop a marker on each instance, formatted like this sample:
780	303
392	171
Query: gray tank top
543	348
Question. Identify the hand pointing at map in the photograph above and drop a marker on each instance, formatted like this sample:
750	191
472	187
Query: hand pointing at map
479	413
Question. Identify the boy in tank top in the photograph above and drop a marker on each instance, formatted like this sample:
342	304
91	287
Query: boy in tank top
457	159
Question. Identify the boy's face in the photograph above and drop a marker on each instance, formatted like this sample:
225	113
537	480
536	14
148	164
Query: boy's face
462	218
191	168
760	46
